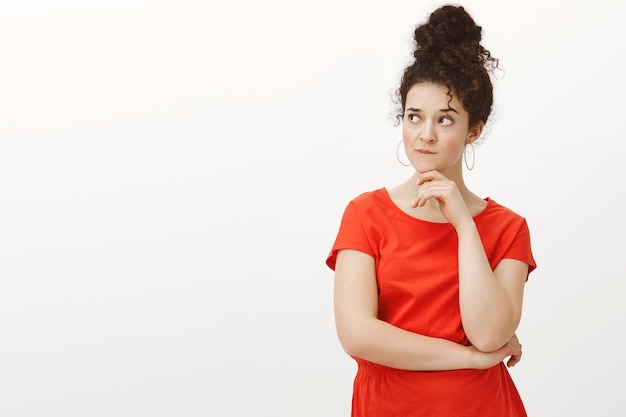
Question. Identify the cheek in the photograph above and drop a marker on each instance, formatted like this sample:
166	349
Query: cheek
456	149
453	147
407	134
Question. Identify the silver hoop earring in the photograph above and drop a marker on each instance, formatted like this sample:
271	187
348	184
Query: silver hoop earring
473	157
398	155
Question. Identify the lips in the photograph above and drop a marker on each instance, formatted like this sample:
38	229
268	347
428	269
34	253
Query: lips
424	151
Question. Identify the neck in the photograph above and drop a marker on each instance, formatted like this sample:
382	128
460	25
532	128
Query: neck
456	177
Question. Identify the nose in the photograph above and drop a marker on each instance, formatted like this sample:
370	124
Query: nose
428	133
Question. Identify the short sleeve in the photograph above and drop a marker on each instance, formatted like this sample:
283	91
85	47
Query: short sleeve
520	248
352	235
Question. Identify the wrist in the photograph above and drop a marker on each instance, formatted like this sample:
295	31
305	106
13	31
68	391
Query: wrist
467	226
473	357
478	359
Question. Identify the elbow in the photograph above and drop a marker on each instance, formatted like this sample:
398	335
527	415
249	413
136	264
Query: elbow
350	344
487	344
353	340
493	336
489	341
351	349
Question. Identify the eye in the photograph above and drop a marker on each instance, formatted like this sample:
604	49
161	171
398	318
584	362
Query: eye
413	118
445	120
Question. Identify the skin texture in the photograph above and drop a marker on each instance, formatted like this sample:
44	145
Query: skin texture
435	132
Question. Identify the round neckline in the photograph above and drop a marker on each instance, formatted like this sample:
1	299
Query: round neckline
385	192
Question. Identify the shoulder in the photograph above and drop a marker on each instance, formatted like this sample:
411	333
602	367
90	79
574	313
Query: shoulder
507	234
369	197
498	220
497	212
368	201
357	229
370	208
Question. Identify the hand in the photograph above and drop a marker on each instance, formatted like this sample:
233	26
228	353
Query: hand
512	350
433	184
515	357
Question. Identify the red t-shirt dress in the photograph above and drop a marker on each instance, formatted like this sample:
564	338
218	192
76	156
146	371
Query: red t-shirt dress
417	277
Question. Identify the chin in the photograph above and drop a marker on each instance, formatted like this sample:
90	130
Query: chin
421	168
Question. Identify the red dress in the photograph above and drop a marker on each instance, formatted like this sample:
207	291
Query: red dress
417	277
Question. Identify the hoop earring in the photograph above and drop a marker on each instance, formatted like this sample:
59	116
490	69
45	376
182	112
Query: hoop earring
398	155
469	168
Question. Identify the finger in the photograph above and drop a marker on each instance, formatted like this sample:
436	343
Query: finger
429	176
514	360
515	344
438	190
424	194
420	201
515	357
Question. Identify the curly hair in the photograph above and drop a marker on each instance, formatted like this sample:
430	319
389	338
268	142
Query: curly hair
448	52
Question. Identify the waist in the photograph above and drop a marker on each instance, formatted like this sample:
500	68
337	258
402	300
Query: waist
485	393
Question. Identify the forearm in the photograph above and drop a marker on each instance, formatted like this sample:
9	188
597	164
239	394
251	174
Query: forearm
363	335
487	312
382	343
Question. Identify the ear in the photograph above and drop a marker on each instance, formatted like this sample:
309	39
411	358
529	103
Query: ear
474	132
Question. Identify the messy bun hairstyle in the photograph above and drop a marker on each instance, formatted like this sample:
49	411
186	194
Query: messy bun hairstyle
448	52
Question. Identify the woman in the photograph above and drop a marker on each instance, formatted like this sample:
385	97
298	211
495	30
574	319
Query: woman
429	277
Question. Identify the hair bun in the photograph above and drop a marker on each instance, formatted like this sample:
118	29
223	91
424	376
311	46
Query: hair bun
448	28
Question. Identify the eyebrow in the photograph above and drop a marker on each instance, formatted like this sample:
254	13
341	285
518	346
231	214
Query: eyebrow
449	109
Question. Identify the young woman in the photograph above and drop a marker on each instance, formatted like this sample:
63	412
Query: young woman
429	277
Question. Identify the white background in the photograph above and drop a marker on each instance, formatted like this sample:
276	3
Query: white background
172	176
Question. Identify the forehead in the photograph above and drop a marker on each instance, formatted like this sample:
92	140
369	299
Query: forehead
427	96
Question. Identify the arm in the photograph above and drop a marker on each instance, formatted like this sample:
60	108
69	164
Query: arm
490	300
363	335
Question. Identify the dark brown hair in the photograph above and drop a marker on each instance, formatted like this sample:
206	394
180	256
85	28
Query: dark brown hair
448	52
